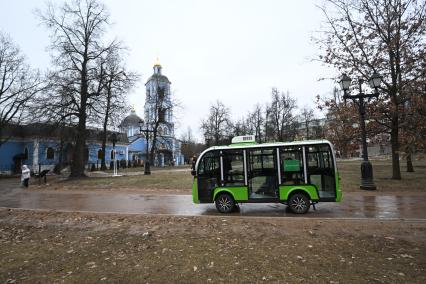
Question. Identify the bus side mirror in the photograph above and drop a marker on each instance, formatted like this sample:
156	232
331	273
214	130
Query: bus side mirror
194	173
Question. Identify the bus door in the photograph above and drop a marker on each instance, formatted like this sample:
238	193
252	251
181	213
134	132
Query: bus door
262	174
321	171
208	175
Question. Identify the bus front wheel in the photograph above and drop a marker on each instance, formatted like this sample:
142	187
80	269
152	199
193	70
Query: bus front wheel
299	203
224	203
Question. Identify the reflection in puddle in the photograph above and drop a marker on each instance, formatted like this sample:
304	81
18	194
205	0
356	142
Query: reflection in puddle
386	206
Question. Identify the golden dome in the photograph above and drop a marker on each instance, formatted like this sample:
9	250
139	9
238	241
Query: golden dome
157	62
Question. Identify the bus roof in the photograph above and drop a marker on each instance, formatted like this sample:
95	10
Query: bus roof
266	145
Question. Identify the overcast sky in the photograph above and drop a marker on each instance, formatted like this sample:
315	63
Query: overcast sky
227	50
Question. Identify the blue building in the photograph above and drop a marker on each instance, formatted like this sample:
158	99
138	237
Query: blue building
137	142
44	146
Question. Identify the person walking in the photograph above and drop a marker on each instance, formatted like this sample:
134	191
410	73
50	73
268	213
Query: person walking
25	177
193	162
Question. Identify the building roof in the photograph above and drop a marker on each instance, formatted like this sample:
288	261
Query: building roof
159	77
131	120
55	131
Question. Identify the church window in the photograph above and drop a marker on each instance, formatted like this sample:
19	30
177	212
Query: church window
50	153
161	115
26	153
166	132
160	131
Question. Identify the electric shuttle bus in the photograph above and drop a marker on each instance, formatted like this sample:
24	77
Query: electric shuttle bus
299	174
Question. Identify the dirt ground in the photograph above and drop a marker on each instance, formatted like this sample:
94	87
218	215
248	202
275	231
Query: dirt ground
53	247
47	247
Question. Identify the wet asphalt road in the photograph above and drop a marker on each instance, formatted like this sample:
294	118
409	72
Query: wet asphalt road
354	205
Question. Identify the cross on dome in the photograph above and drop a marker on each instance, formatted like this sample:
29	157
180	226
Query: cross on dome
157	62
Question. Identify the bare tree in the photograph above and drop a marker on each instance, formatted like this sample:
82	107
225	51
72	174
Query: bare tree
307	117
190	147
241	127
280	114
217	125
76	29
256	120
341	120
383	36
413	134
18	85
117	82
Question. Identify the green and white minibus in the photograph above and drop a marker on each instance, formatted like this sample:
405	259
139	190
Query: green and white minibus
298	174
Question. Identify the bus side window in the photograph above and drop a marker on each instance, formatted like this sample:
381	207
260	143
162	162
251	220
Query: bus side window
319	159
233	167
291	165
209	165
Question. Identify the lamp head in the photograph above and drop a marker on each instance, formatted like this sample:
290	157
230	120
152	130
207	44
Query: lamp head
345	82
375	80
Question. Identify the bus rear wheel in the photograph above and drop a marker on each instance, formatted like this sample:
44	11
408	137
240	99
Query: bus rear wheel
224	203
299	203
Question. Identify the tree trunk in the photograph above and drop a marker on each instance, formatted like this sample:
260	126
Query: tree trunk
58	168
77	166
396	171
410	168
103	165
307	130
344	151
105	124
153	143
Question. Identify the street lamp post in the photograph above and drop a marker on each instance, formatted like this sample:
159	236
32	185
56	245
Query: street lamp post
147	170
359	99
114	140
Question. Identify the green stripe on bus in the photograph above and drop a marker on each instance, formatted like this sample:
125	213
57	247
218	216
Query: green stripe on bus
286	190
195	191
338	189
238	193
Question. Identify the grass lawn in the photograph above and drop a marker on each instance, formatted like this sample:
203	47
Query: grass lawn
179	181
350	173
173	181
141	169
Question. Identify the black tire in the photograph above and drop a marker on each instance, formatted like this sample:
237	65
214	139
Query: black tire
299	203
236	209
224	203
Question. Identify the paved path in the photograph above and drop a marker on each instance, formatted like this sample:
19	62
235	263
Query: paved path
354	205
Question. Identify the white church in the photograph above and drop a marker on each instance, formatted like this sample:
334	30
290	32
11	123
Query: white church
158	110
